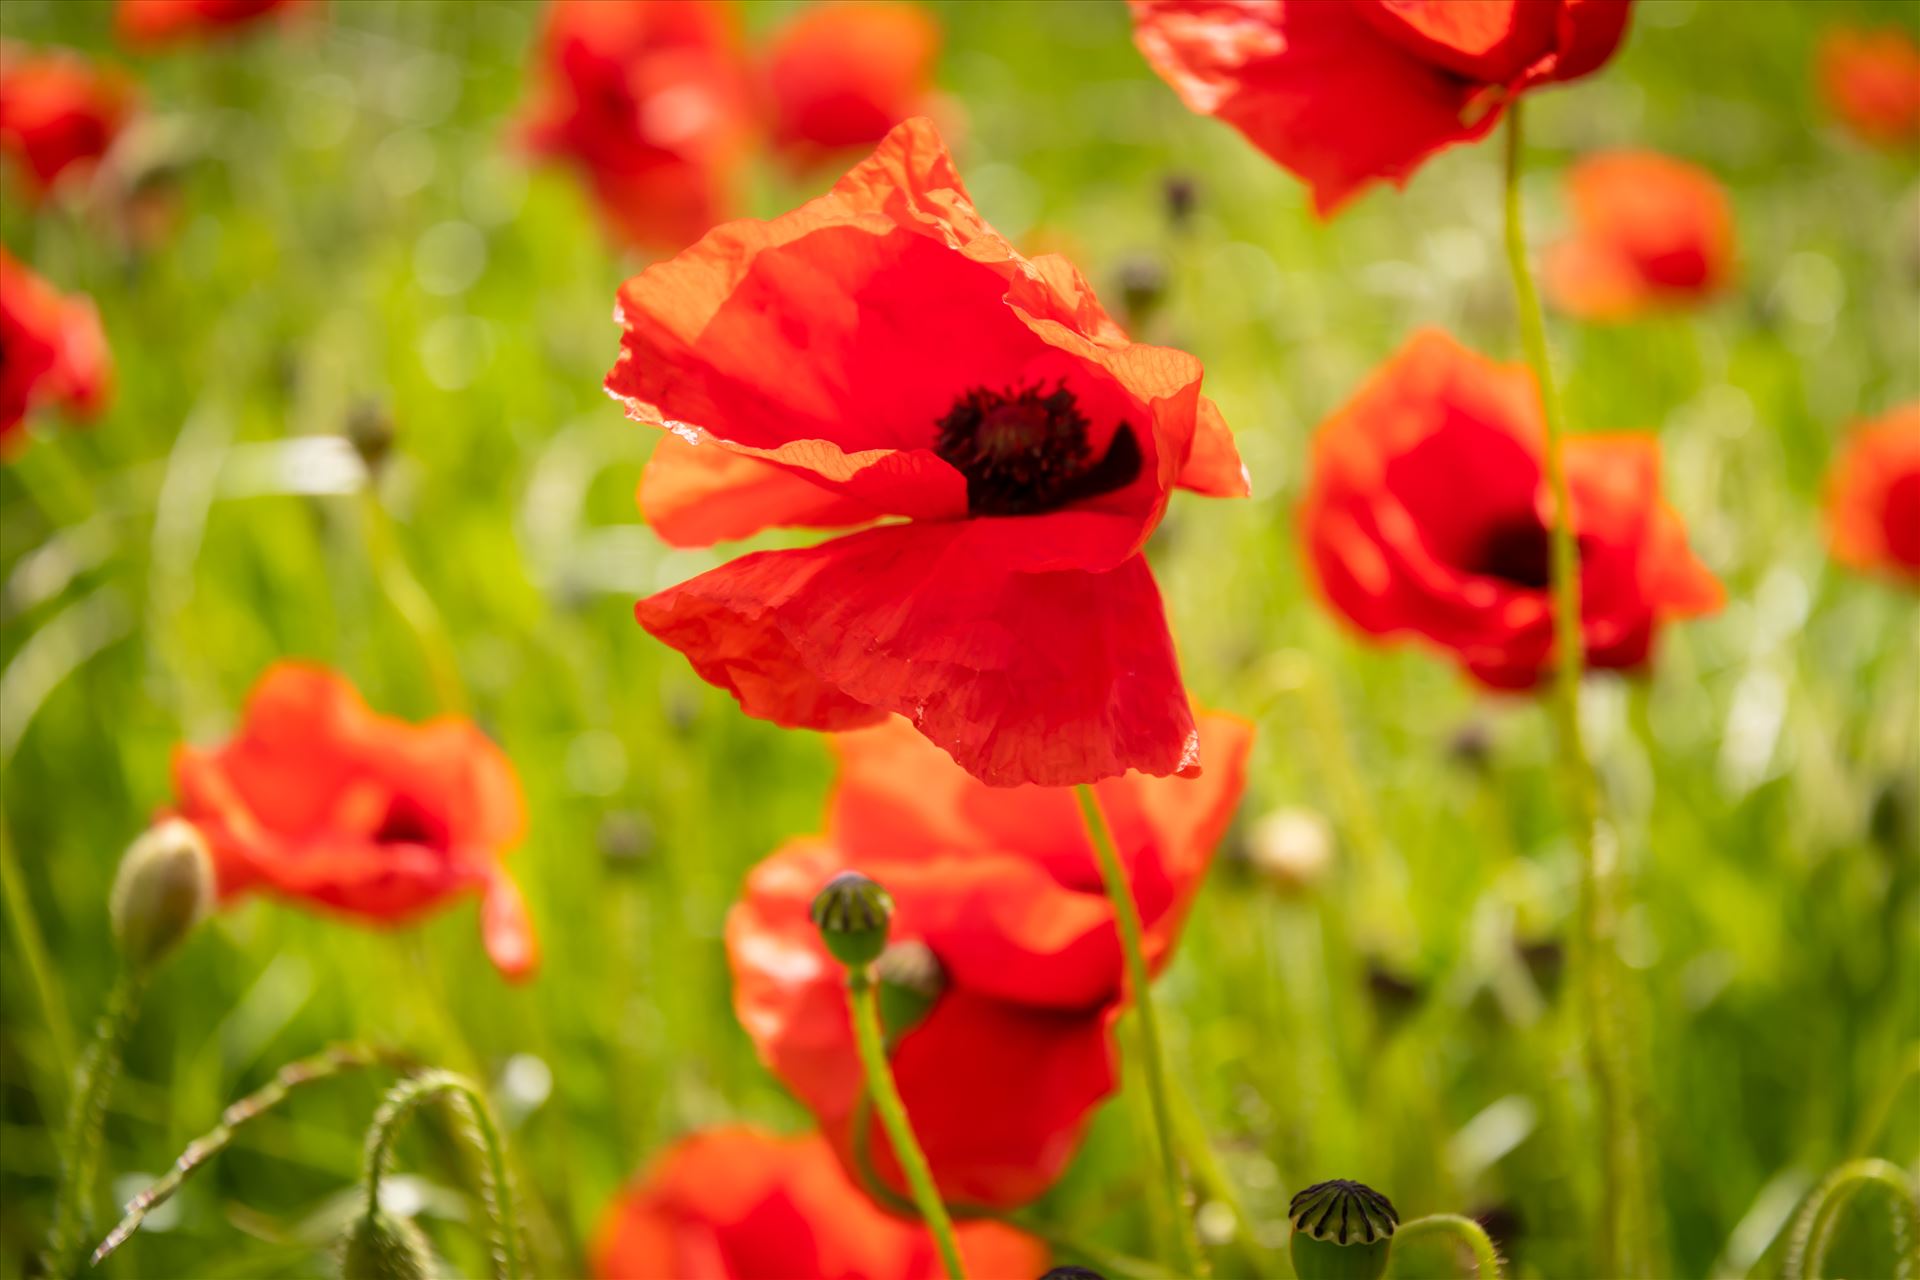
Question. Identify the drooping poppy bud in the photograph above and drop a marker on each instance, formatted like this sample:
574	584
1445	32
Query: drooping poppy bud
911	980
164	888
380	1247
853	914
1342	1230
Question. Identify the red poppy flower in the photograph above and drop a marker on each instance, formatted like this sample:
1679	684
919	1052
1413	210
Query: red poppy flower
841	74
1649	232
317	798
52	351
1871	80
996	892
881	354
738	1204
1873	496
163	21
648	98
1342	93
1427	513
58	112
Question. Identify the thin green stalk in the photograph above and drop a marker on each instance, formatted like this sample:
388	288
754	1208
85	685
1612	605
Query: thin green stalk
865	1006
1813	1230
324	1065
1213	1179
1126	915
25	931
415	607
1624	1248
470	1106
1486	1259
85	1129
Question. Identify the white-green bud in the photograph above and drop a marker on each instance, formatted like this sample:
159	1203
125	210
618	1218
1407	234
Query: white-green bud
164	888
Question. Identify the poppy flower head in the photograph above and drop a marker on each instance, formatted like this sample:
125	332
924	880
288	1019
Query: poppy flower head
52	352
319	799
1344	93
1650	232
1428	513
736	1203
1871	81
58	113
648	99
1873	496
1001	930
841	74
158	22
881	354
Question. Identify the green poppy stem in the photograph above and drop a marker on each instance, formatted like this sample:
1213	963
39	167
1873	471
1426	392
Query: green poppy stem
1486	1259
93	1084
471	1108
1814	1228
1126	915
1624	1247
865	1007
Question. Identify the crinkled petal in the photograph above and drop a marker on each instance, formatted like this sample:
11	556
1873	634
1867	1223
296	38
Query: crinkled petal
1052	678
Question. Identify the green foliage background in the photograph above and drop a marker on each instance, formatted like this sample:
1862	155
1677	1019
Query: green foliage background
353	229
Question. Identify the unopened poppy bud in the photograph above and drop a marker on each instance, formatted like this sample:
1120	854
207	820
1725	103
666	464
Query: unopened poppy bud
1143	285
163	889
1291	848
1180	194
626	839
381	1247
370	430
853	914
911	980
1341	1231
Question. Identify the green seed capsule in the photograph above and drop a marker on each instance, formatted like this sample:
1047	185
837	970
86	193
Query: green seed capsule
1342	1230
853	915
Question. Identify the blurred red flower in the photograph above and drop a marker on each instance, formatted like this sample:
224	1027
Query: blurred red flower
1873	496
882	352
1342	93
649	99
1427	513
163	21
738	1204
1000	886
58	113
52	352
318	798
840	75
1871	80
1650	232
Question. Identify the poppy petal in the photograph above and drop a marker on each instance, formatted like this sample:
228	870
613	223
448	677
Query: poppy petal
1054	677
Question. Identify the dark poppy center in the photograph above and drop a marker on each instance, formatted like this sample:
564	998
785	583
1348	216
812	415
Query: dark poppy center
1519	551
1027	451
407	821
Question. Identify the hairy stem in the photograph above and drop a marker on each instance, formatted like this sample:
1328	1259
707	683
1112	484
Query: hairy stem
1486	1259
865	1006
470	1108
1623	1249
85	1130
1814	1228
325	1065
1126	915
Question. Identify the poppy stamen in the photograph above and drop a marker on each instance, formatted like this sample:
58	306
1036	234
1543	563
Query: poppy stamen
1025	452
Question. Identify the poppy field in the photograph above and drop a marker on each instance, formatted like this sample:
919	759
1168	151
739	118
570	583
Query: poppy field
1024	639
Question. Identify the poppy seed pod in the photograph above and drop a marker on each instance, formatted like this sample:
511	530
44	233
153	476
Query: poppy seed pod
853	914
1342	1230
164	888
380	1247
1073	1273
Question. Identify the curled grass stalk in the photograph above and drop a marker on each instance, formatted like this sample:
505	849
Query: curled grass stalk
1814	1229
1486	1259
334	1061
475	1120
